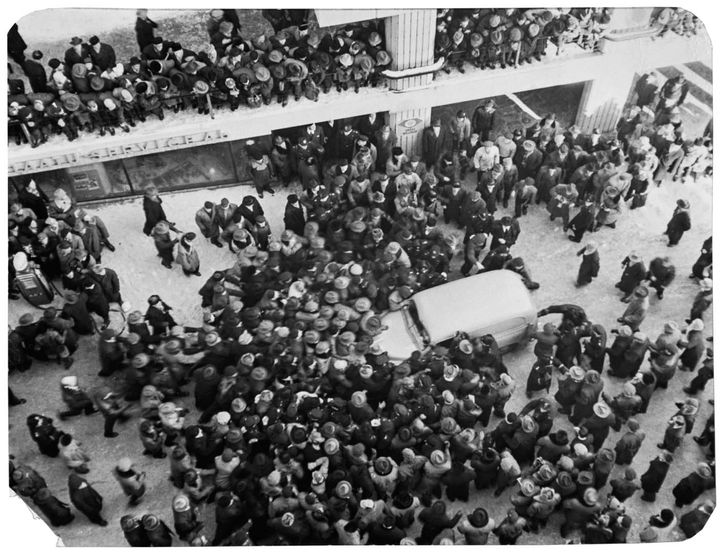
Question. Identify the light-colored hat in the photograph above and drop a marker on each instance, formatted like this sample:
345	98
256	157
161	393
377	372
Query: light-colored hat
528	424
590	497
288	519
451	372
696	324
438	457
528	487
69	380
577	373
601	410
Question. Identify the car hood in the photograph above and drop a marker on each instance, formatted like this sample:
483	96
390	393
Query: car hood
396	339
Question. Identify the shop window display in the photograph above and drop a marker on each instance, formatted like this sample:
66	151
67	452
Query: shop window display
240	156
209	165
96	181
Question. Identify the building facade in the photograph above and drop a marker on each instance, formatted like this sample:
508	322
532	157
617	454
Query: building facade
190	151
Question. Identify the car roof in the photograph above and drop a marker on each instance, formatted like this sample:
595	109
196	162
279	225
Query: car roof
472	303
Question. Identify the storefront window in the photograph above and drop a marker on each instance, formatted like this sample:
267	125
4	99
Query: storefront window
242	159
204	165
98	181
87	182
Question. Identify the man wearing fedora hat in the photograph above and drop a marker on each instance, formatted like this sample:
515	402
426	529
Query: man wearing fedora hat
634	272
679	222
77	53
654	477
590	265
694	484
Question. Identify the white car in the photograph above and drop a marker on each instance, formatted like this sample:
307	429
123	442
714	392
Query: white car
496	302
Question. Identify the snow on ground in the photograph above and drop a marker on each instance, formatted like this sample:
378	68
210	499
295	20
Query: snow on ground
549	255
53	23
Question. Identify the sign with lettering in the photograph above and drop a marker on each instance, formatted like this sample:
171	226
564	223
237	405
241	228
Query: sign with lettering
410	126
131	149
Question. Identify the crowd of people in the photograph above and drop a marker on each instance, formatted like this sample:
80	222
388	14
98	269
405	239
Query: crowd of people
89	90
490	38
306	432
677	20
92	91
283	411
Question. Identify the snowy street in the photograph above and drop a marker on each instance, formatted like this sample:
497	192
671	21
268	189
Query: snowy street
547	252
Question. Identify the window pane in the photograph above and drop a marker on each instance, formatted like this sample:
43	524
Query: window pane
205	165
99	180
240	154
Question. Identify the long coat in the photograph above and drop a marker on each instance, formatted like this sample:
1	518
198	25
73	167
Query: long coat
110	284
84	497
691	523
454	203
632	275
655	475
105	58
294	219
627	447
188	259
154	213
689	488
589	267
144	31
433	146
38	78
207	223
57	512
678	224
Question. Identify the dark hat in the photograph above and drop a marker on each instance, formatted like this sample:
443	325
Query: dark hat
74	41
382	466
94	40
478	518
54	63
70	102
37	54
150	522
157	40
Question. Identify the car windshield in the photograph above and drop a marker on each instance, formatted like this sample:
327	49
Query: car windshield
414	326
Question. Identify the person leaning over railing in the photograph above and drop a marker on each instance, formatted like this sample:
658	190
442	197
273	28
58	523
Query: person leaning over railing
90	91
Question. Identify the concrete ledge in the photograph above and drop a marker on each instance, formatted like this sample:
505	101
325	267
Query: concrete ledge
190	129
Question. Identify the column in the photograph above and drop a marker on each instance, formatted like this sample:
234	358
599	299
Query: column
604	99
408	126
410	39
